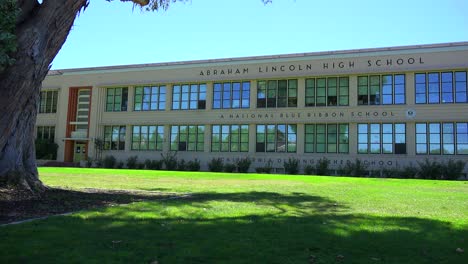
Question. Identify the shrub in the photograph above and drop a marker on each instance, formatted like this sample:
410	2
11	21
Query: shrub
89	162
46	149
291	166
309	170
452	170
98	163
169	159
229	167
109	162
153	164
266	169
193	165
120	165
375	173
409	172
358	168
429	169
132	162
243	165
321	168
391	173
181	165
216	165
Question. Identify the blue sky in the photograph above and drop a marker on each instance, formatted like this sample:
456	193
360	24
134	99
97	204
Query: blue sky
116	34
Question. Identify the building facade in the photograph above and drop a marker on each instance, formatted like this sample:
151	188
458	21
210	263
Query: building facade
388	107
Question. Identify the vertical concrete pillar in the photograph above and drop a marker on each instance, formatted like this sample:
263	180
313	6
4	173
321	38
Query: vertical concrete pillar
300	92
353	90
209	96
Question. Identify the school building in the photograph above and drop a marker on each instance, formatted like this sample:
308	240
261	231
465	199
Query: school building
389	107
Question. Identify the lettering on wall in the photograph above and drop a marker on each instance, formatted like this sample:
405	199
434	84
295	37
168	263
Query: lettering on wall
314	67
278	162
308	115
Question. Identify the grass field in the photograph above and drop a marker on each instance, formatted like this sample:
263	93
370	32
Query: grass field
249	218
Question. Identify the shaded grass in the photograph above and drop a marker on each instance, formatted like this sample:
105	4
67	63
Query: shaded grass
250	218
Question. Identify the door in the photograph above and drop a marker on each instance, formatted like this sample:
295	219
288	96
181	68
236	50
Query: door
80	152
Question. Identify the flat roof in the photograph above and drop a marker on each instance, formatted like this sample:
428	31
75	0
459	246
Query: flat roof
265	57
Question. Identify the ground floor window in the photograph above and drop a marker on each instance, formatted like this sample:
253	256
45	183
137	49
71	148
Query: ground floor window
326	138
230	138
114	137
187	138
442	138
276	138
45	132
147	137
376	138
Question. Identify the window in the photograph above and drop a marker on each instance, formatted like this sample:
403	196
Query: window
147	137
381	89
331	91
45	132
442	138
231	95
48	102
276	138
277	93
382	138
187	138
441	87
114	137
326	138
116	99
149	98
230	138
189	96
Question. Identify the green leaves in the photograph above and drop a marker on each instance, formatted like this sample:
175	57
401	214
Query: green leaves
8	15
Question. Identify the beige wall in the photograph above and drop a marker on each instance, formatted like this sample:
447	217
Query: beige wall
299	67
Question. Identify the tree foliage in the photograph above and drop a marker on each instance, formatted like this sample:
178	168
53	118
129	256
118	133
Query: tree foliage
8	15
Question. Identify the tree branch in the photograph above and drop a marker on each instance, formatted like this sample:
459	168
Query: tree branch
26	7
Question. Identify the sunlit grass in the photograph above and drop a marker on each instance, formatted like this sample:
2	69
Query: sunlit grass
250	218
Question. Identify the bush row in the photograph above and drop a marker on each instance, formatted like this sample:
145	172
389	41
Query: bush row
450	170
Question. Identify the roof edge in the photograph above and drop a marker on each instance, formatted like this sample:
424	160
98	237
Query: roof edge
263	57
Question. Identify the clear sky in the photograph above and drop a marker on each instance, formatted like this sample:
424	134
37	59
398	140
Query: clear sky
116	34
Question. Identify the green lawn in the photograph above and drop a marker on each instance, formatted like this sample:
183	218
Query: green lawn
249	218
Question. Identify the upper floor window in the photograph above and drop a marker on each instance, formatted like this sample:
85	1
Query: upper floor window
441	87
48	102
381	89
382	138
189	96
187	138
230	138
114	137
442	138
331	91
45	132
277	93
326	138
150	98
117	99
276	138
147	137
231	95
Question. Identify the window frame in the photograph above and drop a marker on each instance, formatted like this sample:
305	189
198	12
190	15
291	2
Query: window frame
113	105
277	93
193	95
318	91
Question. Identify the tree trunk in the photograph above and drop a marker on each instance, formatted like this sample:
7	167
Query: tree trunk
41	31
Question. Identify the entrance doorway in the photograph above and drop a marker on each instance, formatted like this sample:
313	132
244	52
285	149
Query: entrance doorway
79	152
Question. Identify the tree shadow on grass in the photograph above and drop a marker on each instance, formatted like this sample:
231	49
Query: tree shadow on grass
250	227
15	206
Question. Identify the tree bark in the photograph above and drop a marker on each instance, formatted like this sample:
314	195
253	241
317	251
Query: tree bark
40	35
